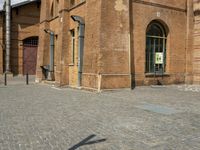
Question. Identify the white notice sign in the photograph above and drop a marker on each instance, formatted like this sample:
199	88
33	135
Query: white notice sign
159	58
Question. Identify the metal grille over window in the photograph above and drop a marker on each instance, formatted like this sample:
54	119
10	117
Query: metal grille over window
31	41
156	39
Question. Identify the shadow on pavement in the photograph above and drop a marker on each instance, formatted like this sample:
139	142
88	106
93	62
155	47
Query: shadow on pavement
87	142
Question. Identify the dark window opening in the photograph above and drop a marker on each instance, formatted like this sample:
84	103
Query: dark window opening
72	46
32	41
156	39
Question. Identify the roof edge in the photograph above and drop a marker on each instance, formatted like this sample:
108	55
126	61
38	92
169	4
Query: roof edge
20	4
24	3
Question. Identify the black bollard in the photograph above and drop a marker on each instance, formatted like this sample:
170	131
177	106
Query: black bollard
27	79
5	79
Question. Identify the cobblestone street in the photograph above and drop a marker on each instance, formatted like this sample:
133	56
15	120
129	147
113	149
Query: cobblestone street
41	117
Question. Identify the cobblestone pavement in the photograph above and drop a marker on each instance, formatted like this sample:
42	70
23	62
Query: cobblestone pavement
41	117
16	80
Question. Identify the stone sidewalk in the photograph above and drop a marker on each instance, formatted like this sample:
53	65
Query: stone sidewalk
41	117
16	80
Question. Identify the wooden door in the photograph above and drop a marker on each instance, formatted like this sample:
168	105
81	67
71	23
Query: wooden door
29	59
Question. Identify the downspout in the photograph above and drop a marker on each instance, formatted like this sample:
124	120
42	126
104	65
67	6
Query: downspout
131	47
8	35
80	47
50	75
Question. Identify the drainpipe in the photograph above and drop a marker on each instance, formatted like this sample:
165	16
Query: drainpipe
50	75
81	46
8	36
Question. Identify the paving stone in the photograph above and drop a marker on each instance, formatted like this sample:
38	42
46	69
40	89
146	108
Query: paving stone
38	117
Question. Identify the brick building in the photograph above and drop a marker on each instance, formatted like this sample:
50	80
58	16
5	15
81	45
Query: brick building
101	44
24	37
126	42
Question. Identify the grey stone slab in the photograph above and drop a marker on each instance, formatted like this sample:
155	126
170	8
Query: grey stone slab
158	109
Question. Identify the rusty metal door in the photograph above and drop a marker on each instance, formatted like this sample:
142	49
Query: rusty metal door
30	56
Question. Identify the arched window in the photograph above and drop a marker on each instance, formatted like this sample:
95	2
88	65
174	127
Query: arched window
31	41
156	39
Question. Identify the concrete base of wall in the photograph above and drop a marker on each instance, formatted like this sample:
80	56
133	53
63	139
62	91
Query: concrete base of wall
106	81
196	79
101	82
166	79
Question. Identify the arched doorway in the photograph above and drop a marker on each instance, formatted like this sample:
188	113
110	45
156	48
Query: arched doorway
30	46
156	39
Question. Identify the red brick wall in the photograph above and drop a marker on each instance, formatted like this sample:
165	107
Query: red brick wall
25	24
174	17
115	37
196	51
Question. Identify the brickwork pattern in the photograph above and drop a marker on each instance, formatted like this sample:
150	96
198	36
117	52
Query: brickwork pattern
115	41
25	24
196	51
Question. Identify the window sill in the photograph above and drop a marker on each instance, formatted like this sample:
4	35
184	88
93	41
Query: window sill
157	75
72	64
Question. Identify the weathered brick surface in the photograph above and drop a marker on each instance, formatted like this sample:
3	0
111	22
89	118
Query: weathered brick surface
92	44
61	24
196	50
73	68
24	24
115	41
175	22
189	44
